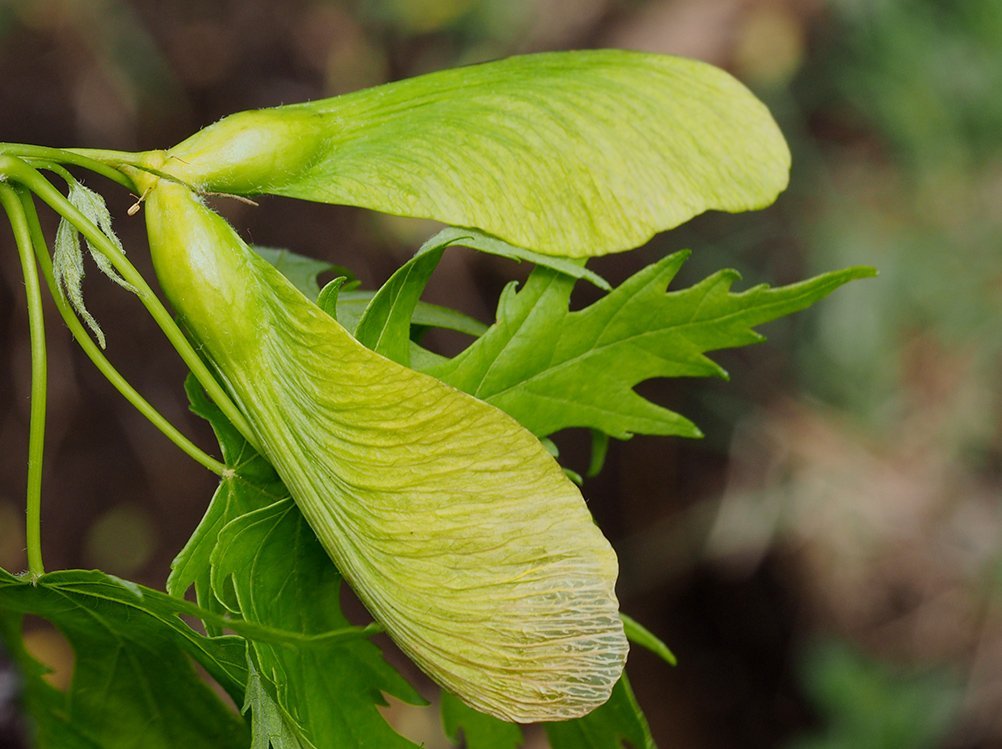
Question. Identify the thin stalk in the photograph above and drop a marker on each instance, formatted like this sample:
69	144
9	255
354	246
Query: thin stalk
55	168
111	158
39	372
74	157
98	358
23	173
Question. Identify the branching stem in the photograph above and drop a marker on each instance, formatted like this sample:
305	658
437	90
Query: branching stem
74	157
98	358
21	172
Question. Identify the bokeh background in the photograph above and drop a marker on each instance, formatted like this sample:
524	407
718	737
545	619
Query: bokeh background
827	562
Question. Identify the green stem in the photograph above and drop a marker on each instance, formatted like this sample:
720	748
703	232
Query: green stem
111	158
98	358
74	157
39	367
23	173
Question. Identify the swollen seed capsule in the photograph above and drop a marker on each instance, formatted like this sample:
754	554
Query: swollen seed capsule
454	526
250	152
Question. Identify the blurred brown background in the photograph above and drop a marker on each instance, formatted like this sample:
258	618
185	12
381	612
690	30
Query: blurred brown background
826	563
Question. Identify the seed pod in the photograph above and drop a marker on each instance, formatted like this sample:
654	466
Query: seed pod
567	153
454	526
253	152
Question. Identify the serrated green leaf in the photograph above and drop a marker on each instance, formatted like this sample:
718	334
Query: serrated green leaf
222	657
271	726
571	153
617	723
49	726
252	485
134	684
281	576
638	634
301	270
552	369
478	731
453	525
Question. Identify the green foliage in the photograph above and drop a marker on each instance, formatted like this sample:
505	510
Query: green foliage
254	555
279	575
618	723
552	369
343	439
478	731
270	725
640	635
301	270
352	304
134	682
252	485
49	725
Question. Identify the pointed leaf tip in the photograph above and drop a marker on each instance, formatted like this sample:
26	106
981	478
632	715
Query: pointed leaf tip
554	369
